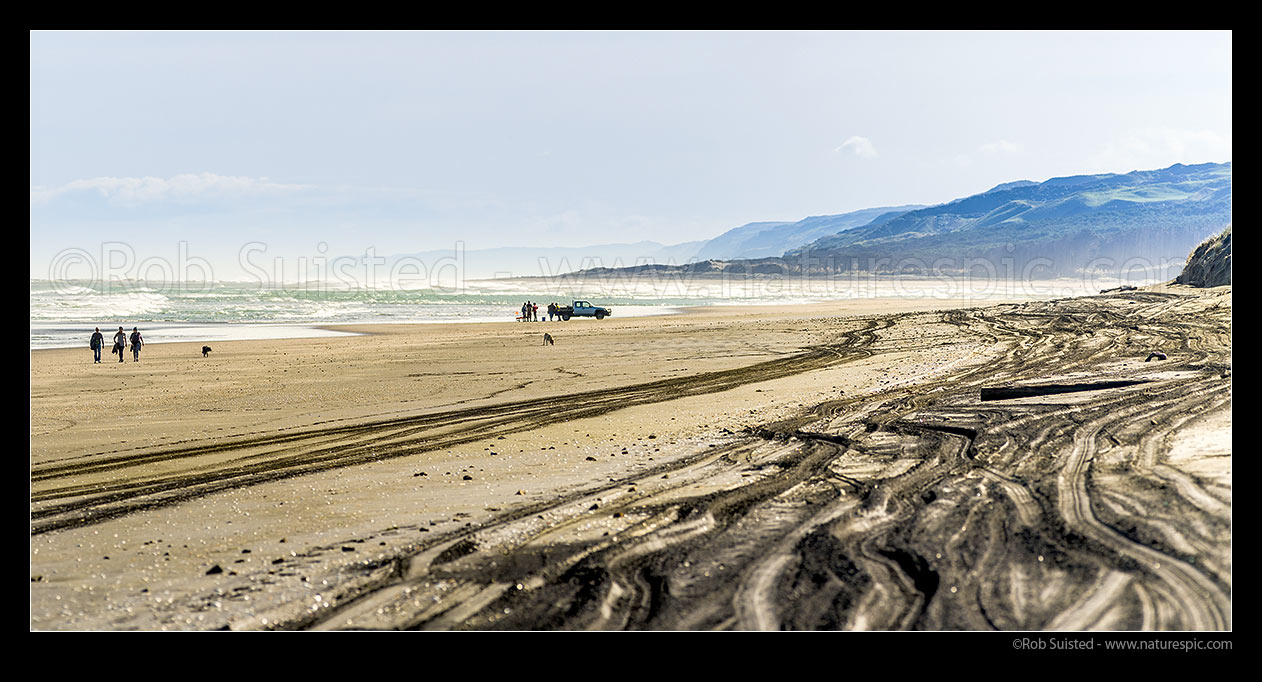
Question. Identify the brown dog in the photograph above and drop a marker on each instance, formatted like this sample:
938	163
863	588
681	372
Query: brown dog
547	339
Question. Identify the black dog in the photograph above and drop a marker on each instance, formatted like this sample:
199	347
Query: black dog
205	351
547	339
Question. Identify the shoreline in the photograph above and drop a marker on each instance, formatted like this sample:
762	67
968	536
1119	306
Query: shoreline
297	330
261	331
246	315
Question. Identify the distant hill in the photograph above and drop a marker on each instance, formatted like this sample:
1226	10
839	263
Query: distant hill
525	261
731	244
752	240
1210	264
760	240
1142	220
1057	227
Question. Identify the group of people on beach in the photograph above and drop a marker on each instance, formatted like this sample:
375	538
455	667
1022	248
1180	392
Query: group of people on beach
121	340
529	312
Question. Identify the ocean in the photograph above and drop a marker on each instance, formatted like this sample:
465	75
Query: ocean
64	313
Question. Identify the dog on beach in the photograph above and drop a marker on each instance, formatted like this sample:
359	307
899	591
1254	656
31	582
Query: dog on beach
205	351
547	339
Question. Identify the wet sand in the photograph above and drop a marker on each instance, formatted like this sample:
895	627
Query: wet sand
467	476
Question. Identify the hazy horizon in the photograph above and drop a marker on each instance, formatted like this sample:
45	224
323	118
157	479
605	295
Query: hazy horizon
332	143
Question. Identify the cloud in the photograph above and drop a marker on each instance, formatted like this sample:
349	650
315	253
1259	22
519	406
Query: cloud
1001	147
1156	147
859	146
130	191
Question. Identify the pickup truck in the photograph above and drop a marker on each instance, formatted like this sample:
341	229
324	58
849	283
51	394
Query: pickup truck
582	309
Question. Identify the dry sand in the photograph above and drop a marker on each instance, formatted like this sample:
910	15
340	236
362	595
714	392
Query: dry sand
310	482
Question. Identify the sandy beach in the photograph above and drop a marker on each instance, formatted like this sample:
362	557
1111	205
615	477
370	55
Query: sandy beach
450	476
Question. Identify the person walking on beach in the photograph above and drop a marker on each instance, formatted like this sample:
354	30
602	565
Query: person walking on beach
136	343
120	342
97	343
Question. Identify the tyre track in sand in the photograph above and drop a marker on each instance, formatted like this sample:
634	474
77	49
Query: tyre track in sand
913	507
59	500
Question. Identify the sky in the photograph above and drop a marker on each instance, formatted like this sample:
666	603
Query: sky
189	146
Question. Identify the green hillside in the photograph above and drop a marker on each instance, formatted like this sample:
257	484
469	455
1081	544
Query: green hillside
1059	227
